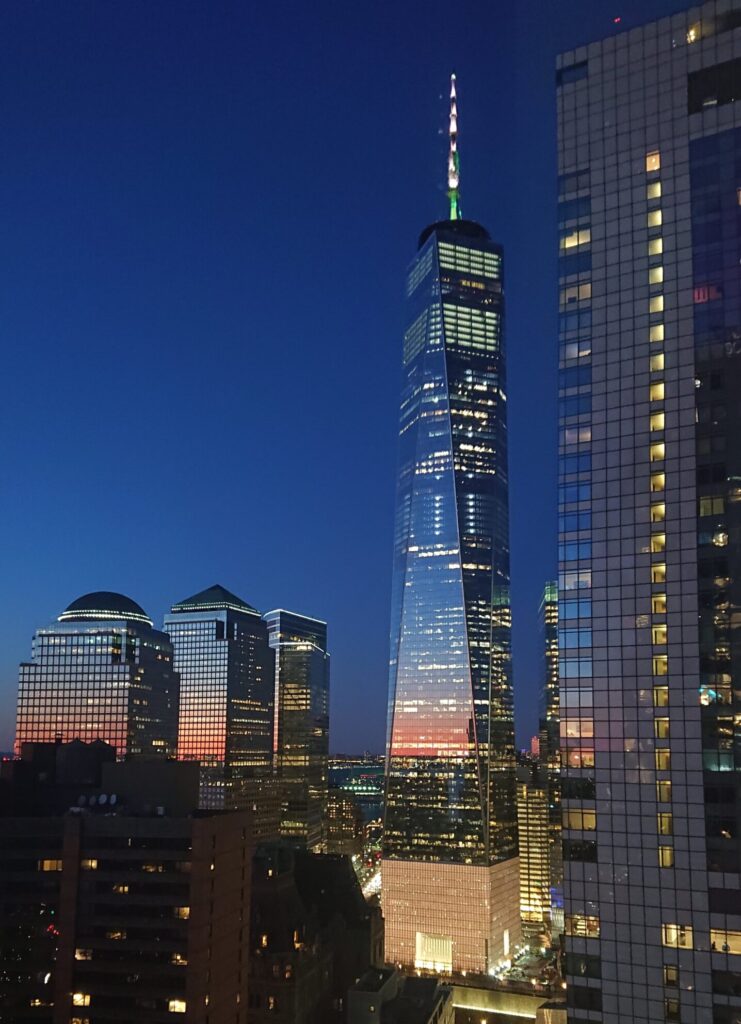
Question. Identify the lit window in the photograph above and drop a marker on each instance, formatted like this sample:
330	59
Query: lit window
657	451
89	864
582	925
653	190
656	304
724	941
182	912
264	941
656	275
664	791
655	246
656	391
671	971
677	935
179	960
658	604
660	665
661	696
653	218
653	160
176	1006
116	933
575	238
658	482
50	865
658	543
81	999
694	32
658	573
83	954
712	505
657	362
121	889
656	333
663	760
661	728
580	820
658	635
657	421
658	512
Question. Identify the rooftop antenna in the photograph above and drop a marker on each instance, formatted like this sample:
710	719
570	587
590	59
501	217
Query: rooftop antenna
454	167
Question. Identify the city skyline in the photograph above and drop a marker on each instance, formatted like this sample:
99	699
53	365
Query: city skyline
155	228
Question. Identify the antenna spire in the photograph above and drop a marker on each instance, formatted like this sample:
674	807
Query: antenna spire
454	168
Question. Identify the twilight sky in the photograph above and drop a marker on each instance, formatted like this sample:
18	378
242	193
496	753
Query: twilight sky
207	210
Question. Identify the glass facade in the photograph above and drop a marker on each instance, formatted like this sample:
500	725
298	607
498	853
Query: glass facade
650	243
301	724
450	791
226	669
100	673
550	759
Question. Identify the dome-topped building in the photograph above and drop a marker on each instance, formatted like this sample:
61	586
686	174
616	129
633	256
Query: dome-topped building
104	604
101	672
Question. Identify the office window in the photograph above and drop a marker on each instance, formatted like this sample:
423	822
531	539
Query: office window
664	823
661	696
653	161
658	512
656	275
655	248
661	728
658	543
176	1006
653	190
725	941
658	482
664	791
656	333
50	865
671	1009
656	391
657	362
580	819
677	935
658	573
80	998
663	759
671	974
660	664
583	925
656	304
658	604
658	636
657	421
653	218
712	505
666	856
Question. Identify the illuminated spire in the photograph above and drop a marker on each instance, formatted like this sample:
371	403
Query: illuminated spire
454	169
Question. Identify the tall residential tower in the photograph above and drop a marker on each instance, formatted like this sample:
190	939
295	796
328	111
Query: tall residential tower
650	506
450	870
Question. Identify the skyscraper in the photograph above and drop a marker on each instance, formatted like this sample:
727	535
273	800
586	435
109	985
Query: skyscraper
550	759
301	724
100	672
450	873
226	668
650	578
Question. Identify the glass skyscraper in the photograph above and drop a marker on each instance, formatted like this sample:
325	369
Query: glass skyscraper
226	668
301	724
550	758
100	672
450	870
650	507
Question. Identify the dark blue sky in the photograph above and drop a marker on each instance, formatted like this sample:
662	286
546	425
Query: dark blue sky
206	213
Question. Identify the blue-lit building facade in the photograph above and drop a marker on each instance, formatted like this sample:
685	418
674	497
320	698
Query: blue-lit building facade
450	833
650	459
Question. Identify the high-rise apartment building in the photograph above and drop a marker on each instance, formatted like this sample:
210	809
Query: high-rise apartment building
301	724
450	882
100	672
227	668
650	577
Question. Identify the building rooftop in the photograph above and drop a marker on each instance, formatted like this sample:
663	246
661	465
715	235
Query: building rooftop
374	979
215	598
104	604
